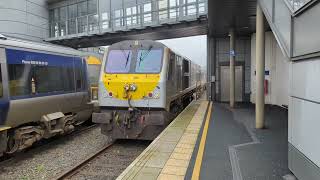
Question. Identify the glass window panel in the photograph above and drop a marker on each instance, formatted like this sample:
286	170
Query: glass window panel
72	26
82	8
105	16
163	4
149	61
80	79
118	61
92	7
19	79
72	11
63	14
147	7
48	79
173	3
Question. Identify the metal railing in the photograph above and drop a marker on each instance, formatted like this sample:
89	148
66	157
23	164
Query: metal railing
127	18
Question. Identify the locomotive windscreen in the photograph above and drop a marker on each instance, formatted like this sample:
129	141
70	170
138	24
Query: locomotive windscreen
134	61
119	61
149	61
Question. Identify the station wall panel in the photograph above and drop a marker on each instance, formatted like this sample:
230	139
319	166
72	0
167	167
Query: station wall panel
305	80
277	67
304	126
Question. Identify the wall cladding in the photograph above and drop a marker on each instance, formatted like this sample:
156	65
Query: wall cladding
26	19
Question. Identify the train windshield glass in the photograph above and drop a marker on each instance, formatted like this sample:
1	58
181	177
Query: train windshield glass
149	61
119	61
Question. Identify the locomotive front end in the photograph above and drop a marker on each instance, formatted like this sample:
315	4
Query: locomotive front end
132	94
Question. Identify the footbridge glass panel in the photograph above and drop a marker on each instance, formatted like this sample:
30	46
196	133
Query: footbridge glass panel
88	17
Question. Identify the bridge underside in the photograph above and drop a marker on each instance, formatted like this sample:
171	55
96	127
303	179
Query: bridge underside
164	31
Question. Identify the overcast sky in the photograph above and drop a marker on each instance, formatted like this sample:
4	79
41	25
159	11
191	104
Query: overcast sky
194	48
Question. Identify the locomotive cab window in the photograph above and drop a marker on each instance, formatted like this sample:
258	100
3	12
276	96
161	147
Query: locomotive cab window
118	61
149	61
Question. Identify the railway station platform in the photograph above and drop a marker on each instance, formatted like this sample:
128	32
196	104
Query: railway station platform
212	141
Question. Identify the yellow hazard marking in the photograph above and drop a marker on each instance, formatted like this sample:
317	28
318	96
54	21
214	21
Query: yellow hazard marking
197	166
3	128
145	83
92	60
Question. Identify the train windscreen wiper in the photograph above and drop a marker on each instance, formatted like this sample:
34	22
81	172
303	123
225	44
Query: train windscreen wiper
145	55
127	58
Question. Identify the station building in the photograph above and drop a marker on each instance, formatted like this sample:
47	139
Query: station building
259	51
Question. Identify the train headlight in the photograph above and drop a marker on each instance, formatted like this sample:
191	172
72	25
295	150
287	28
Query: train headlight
133	87
126	87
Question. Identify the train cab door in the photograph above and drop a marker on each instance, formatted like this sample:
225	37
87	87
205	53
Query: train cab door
4	94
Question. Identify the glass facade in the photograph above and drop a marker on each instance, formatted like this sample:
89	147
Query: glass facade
74	18
84	16
297	4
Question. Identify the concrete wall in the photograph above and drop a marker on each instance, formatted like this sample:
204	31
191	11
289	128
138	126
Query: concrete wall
277	65
26	19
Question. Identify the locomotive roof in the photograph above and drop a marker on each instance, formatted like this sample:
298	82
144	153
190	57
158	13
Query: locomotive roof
6	41
145	44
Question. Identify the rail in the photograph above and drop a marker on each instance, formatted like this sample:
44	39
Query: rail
74	170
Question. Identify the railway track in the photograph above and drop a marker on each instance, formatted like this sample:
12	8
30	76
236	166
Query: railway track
76	169
107	163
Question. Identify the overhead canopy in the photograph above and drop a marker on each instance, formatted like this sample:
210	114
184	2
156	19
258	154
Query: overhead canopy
226	14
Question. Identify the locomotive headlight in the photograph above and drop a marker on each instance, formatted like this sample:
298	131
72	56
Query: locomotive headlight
133	87
126	87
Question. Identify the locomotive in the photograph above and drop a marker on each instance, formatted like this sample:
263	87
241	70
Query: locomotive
43	92
143	85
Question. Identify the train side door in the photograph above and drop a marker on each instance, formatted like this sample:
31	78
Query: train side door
179	73
4	94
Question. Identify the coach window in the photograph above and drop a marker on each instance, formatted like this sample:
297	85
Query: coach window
19	79
48	79
171	66
79	79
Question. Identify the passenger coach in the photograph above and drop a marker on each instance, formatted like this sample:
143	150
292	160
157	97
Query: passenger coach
143	85
43	92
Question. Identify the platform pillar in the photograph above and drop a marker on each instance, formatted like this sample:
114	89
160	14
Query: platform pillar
260	68
232	68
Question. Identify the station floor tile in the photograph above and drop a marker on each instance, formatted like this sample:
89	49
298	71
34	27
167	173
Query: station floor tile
168	156
170	176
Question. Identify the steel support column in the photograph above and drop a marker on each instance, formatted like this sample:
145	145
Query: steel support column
232	68
211	68
260	68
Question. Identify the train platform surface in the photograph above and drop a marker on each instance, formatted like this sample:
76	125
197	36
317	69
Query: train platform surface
212	141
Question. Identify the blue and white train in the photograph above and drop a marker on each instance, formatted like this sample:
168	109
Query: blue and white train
43	92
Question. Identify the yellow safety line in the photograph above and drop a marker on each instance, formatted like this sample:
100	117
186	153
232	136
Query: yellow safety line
197	166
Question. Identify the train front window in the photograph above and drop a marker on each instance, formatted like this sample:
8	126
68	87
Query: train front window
119	61
149	61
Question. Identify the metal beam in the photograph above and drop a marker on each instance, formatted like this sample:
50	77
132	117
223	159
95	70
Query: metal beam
232	68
